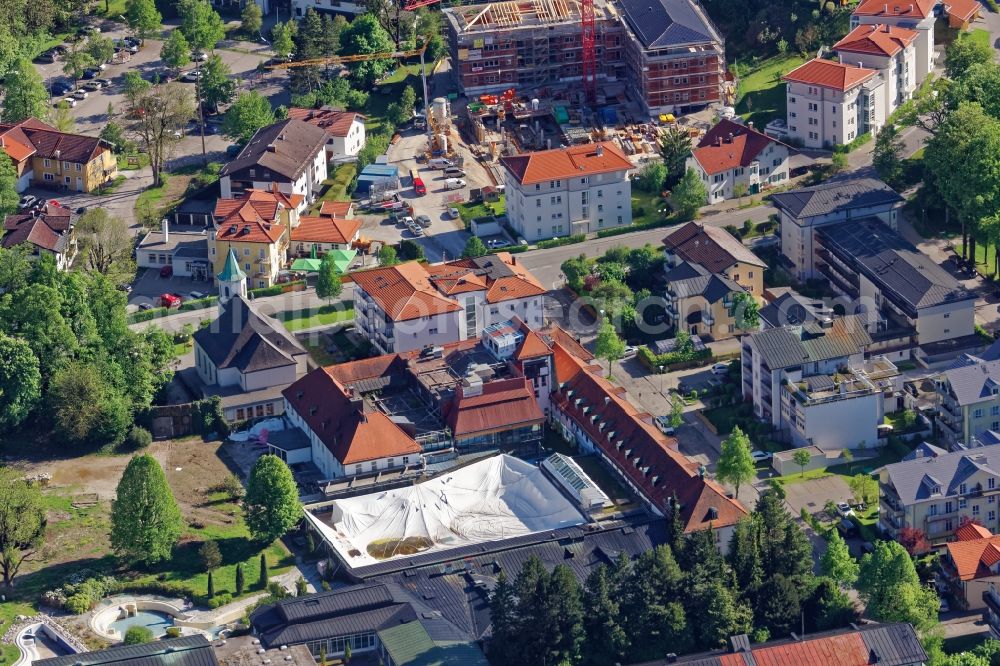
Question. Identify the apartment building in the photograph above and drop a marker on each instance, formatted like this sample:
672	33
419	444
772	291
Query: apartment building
45	157
666	53
812	383
289	155
345	130
733	160
894	282
48	231
970	401
256	225
806	209
970	566
718	252
413	306
565	191
831	103
912	15
939	494
891	51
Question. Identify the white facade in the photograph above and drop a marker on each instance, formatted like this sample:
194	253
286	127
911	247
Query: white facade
898	73
568	206
822	117
349	9
770	168
346	148
923	45
308	184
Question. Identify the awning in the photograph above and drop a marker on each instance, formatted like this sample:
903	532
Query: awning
307	265
341	260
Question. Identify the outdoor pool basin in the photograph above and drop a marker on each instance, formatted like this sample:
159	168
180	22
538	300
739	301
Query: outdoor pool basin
155	621
120	614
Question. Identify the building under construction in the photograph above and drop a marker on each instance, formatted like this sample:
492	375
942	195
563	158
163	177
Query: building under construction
666	54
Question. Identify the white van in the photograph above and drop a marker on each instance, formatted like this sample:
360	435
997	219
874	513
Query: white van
439	163
454	183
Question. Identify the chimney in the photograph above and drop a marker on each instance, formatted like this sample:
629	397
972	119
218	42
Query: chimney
729	139
58	153
165	225
599	150
750	124
271	148
718	141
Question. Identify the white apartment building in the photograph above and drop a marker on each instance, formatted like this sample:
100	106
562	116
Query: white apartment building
830	103
333	7
345	130
732	154
289	155
565	191
891	51
915	15
412	306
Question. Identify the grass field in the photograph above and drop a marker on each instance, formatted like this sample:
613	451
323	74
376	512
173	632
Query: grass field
986	255
336	186
647	207
296	320
471	211
762	94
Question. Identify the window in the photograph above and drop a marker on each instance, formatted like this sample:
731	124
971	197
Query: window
77	167
992	516
49	177
961	489
932	510
406	460
975	509
947	314
978	413
962	503
358	469
48	163
991	483
240	414
374	465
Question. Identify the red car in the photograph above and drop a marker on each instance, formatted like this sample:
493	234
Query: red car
166	271
171	300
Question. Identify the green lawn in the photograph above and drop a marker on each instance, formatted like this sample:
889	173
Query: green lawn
761	92
728	416
986	255
335	187
132	162
978	35
111	8
389	90
470	211
646	207
295	320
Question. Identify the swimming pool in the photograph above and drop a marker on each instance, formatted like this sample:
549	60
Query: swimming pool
156	621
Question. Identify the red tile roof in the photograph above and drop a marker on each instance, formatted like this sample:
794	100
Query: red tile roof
972	532
404	292
499	274
973	559
729	145
713	248
503	404
829	74
326	230
350	432
841	650
336	123
250	218
33	137
886	40
533	346
45	231
575	161
962	9
342	209
16	143
909	8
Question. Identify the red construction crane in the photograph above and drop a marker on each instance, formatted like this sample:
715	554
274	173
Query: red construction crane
589	50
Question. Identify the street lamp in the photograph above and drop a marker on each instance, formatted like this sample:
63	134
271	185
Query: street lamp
661	379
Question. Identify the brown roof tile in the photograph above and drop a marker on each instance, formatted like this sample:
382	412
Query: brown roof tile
250	218
885	40
404	292
910	8
713	248
830	74
575	161
326	230
502	404
335	123
729	145
285	148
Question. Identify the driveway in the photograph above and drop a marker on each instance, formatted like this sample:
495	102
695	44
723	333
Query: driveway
813	494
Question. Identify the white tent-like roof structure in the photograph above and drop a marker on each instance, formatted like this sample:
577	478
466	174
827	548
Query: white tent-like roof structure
497	498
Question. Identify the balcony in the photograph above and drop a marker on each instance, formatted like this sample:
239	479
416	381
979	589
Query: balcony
992	600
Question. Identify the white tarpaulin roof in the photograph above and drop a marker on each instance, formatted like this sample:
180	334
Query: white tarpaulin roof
497	498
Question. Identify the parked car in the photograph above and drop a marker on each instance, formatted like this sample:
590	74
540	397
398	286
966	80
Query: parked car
945	607
199	56
123	45
844	509
454	172
423	221
60	88
46	57
663	423
127	288
166	271
407	221
92	86
69	101
91	73
760	456
145	306
81	210
171	300
497	243
416	230
194	76
454	183
104	82
27	201
80	94
195	295
453	213
846	527
720	369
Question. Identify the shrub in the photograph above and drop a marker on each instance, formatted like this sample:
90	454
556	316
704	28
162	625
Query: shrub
558	242
138	636
733	231
173	632
146	315
79	603
220	599
199	304
138	438
652	361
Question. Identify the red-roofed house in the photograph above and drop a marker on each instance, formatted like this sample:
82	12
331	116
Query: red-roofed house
256	225
323	234
971	565
888	49
494	415
831	103
917	15
345	130
412	306
46	157
962	12
732	154
567	191
48	231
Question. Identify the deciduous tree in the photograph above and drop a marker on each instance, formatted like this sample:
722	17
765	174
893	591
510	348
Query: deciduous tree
143	18
75	61
328	284
145	520
608	345
837	562
689	195
201	24
166	108
887	156
963	53
20	381
100	48
62	118
246	115
9	196
216	84
474	247
271	506
736	465
746	311
251	20
107	244
281	40
387	256
25	95
801	457
176	52
891	589
22	522
364	36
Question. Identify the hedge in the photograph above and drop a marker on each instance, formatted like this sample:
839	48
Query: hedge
617	231
200	304
653	361
558	242
861	140
278	289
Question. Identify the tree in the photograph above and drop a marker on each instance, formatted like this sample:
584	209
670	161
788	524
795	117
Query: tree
801	457
84	407
262	582
387	256
137	635
838	162
26	96
62	118
980	83
837	562
176	52
281	39
719	615
217	86
566	609
246	115
410	250
914	540
364	36
9	196
827	607
22	522
746	311
740	190
503	621
864	488
210	591
251	19
605	641
201	24
689	195
210	556
271	506
736	465
114	134
675	148
76	61
962	54
32	313
20	382
778	606
107	244
676	411
651	177
145	520
328	284
240	579
891	589
143	18
474	247
166	108
608	345
101	49
887	157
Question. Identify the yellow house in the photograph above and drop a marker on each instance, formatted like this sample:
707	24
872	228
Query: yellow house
49	158
706	267
257	227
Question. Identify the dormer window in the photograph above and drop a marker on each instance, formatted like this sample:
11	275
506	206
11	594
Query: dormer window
991	483
961	489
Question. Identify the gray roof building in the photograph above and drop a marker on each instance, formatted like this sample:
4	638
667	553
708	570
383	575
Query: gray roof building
929	477
835	197
789	346
184	651
975	383
280	152
242	338
686	280
790	308
664	23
